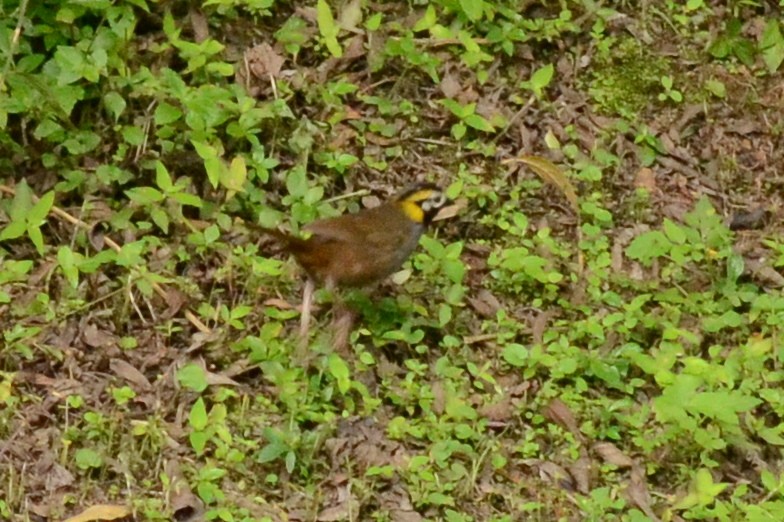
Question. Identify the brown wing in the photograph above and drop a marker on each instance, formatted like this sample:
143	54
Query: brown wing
357	249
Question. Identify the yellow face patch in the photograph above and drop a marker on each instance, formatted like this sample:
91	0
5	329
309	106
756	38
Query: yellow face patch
412	210
411	204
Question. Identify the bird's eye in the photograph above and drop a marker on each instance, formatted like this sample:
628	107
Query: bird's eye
435	201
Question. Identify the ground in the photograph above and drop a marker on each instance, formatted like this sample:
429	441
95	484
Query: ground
595	335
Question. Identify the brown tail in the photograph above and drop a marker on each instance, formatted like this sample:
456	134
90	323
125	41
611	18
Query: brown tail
287	240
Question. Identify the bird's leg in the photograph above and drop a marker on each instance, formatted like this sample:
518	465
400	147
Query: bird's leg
307	304
342	323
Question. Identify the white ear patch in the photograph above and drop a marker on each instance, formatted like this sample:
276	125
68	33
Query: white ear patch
435	201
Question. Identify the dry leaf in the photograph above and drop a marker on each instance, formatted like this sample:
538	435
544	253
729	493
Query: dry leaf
539	325
581	472
351	15
637	492
546	170
184	504
399	515
96	338
500	411
355	47
485	303
645	179
127	372
748	220
610	454
216	379
371	201
765	273
451	210
280	304
553	473
439	397
342	511
97	234
101	512
263	61
175	300
201	29
449	85
559	413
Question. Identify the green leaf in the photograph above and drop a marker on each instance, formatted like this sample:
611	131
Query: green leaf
86	458
729	319
458	131
160	218
115	104
169	27
721	48
48	129
212	162
374	22
14	230
197	418
293	34
541	78
735	266
162	177
145	195
22	202
427	21
34	233
67	261
454	269
234	177
291	460
166	114
198	440
71	62
702	491
723	406
716	88
461	111
204	150
297	182
184	198
478	122
648	246
328	28
340	372
444	314
193	377
772	45
772	483
744	50
271	452
674	232
473	9
133	135
515	355
41	209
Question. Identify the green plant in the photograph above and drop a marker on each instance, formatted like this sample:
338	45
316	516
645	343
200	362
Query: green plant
732	44
468	118
669	93
27	216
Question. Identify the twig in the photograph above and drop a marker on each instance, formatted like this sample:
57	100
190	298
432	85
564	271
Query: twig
14	41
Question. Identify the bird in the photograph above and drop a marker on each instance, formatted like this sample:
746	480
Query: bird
360	249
